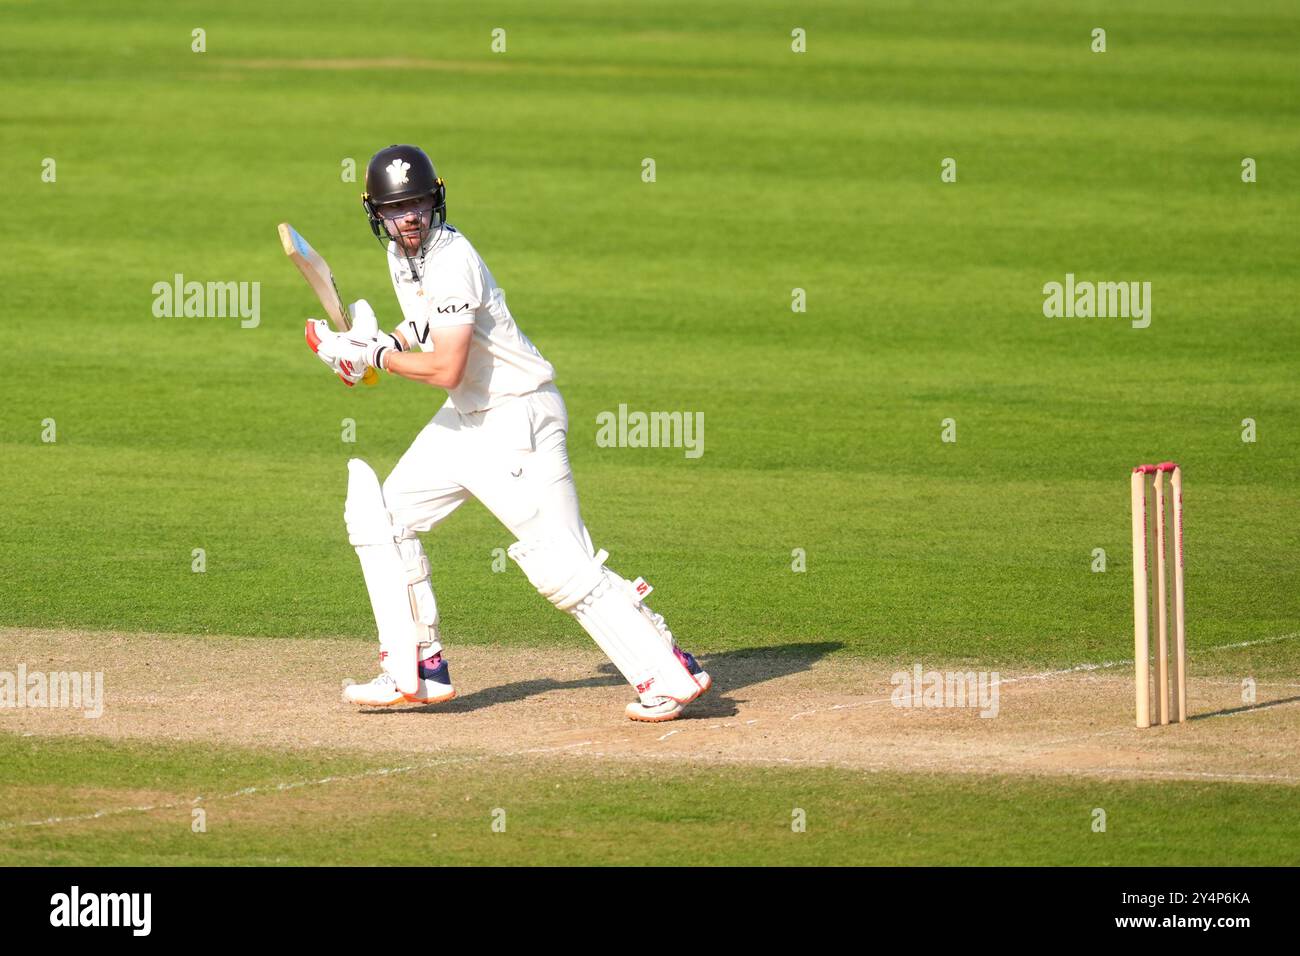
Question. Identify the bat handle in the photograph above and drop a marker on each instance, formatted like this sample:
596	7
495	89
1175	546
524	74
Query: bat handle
371	377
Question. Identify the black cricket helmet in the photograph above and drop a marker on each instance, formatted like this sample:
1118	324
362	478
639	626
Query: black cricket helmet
398	173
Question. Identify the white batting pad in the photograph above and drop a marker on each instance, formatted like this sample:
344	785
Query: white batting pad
607	607
424	606
370	531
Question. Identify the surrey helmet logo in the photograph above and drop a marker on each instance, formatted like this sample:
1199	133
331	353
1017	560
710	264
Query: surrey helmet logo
397	171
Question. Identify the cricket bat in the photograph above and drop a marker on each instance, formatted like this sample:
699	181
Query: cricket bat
318	275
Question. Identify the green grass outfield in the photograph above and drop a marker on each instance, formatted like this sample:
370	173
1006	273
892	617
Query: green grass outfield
573	813
775	171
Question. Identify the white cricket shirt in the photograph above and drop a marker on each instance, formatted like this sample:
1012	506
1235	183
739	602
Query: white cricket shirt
456	288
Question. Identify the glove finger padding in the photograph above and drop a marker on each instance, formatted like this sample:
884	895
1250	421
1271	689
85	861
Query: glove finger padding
335	350
364	323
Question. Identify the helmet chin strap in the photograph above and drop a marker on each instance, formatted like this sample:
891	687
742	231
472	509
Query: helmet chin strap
427	245
412	267
413	262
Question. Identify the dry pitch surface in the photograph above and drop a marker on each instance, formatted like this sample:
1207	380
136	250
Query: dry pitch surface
283	694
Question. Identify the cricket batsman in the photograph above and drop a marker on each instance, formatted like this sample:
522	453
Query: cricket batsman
499	437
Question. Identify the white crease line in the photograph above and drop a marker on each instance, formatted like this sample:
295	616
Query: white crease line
1078	737
546	750
940	766
1184	774
1262	640
918	695
1235	712
282	787
1047	675
861	703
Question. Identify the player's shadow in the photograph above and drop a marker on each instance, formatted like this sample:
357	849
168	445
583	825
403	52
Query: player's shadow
731	671
1246	708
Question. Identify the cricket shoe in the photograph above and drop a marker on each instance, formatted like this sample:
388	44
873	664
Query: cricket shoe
435	682
434	687
665	708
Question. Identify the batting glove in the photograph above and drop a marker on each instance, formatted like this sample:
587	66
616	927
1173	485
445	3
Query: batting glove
364	323
366	326
345	355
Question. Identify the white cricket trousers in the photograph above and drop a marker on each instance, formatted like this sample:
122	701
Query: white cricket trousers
513	458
